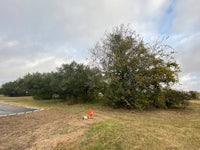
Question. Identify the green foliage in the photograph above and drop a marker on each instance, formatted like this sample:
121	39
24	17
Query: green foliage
175	99
100	136
78	81
74	82
16	88
135	72
193	94
39	85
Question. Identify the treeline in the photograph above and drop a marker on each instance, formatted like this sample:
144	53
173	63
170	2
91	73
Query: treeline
78	83
72	81
128	73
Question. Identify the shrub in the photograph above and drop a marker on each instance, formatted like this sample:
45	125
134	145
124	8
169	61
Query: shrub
193	95
175	99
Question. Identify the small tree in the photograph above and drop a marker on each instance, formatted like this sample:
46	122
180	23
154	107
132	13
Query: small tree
135	71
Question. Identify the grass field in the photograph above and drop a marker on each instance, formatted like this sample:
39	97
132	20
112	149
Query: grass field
60	126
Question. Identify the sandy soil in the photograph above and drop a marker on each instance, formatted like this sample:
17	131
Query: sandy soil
45	129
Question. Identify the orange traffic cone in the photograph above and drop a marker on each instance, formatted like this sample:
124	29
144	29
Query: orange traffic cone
90	113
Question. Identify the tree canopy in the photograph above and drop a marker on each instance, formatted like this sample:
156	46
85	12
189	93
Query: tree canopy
74	82
136	72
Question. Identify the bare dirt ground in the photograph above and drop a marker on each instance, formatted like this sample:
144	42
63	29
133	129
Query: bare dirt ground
45	129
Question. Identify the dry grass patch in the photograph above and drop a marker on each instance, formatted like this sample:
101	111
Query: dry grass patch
61	127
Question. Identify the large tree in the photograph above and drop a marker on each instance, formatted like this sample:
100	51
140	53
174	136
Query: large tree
135	71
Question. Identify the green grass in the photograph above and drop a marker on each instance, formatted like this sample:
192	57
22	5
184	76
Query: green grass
29	101
150	130
104	135
173	129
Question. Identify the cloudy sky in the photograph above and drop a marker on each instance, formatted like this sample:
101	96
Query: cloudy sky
40	35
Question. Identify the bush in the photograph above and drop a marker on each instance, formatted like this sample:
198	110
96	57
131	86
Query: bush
193	95
175	99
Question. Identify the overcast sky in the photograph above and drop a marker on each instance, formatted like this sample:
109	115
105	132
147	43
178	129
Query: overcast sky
40	35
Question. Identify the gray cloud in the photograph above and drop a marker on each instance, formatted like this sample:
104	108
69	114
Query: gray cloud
186	30
188	57
187	18
73	21
189	53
